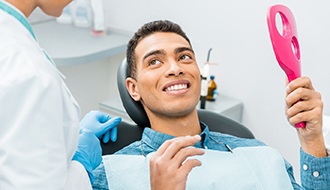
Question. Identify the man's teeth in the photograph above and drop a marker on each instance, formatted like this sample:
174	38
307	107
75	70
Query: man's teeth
176	87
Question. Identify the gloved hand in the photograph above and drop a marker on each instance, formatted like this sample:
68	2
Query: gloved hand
89	152
101	125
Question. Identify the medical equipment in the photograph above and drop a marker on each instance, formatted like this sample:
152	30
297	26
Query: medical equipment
98	18
212	90
205	79
82	15
285	44
100	123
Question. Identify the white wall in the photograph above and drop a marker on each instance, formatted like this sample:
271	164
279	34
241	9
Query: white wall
94	82
247	69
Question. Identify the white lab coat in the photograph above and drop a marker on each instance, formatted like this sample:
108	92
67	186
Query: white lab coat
39	118
326	131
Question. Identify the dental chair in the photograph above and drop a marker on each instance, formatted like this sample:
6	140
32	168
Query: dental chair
128	133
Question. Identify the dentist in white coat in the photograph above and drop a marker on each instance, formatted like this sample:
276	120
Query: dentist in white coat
41	146
326	131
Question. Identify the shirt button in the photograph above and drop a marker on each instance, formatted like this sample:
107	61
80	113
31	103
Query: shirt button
205	147
316	174
305	167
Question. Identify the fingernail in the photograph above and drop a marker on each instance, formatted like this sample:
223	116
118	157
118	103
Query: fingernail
197	136
287	88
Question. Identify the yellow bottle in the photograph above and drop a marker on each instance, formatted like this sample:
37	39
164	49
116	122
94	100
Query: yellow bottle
211	92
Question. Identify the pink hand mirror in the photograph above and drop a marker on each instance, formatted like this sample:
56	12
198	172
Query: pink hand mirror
285	44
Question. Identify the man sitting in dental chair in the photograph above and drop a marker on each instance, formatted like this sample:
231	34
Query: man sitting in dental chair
165	78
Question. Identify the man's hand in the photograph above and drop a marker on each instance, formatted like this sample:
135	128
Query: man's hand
304	104
170	165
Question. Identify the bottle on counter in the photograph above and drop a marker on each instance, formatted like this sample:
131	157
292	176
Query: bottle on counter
212	90
98	28
82	14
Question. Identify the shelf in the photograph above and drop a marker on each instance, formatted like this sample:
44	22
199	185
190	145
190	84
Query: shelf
226	106
115	108
69	45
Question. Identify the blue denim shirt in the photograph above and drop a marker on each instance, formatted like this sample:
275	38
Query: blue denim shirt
152	140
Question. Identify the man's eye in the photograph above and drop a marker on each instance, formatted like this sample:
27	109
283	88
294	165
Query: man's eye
185	57
154	62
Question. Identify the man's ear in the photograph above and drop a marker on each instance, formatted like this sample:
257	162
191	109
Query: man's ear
132	89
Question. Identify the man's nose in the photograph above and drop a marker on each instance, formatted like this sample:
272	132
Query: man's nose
174	69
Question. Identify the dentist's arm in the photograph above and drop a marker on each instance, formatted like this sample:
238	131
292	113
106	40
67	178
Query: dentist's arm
93	126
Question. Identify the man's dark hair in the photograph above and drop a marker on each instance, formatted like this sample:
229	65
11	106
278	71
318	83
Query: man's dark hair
146	30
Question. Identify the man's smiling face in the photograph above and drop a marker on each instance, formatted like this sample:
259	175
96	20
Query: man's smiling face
167	78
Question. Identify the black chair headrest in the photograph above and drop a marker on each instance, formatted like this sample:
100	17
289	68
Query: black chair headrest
134	109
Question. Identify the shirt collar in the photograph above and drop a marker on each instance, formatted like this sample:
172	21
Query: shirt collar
205	135
155	139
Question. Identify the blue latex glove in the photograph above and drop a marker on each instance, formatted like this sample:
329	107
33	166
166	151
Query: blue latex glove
89	152
101	125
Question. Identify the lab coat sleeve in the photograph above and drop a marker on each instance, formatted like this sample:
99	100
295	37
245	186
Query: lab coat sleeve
78	177
326	132
34	127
